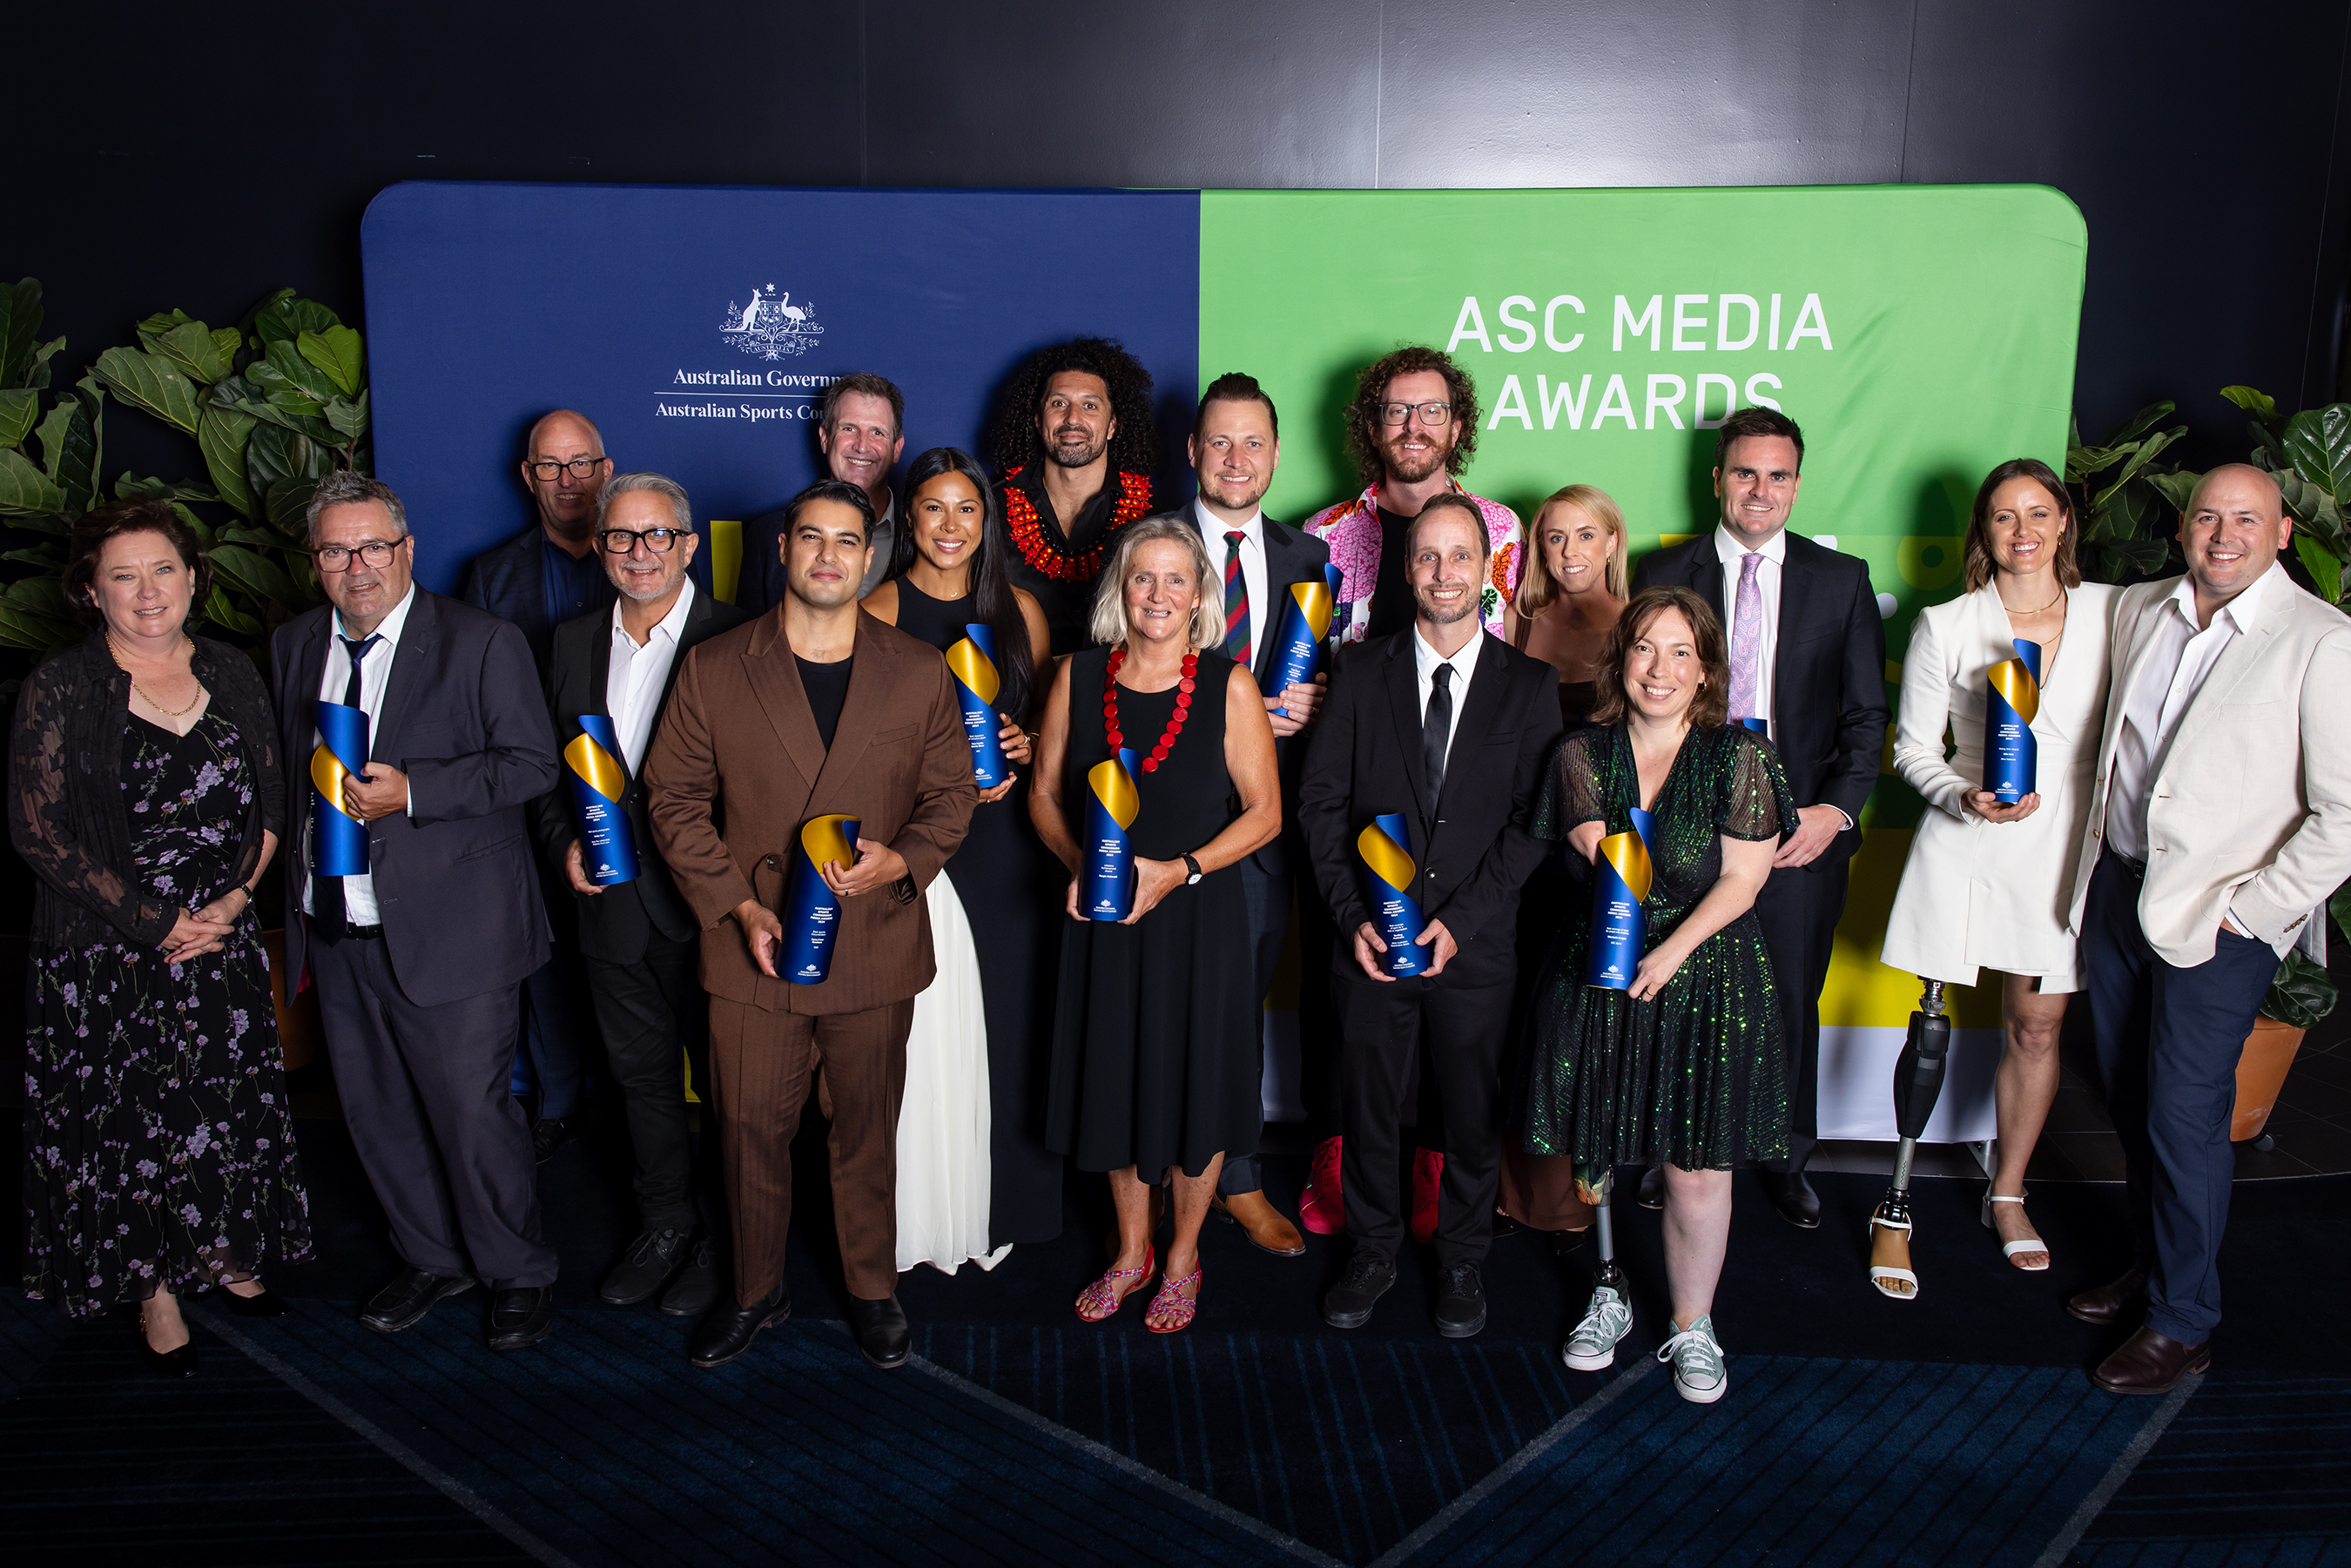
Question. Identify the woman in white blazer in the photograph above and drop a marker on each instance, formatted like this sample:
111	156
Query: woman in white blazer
1989	886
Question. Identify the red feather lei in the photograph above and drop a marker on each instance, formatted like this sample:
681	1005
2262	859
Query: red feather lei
1036	547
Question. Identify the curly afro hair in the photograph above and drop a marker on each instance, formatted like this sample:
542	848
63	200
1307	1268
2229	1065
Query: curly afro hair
1012	440
1372	390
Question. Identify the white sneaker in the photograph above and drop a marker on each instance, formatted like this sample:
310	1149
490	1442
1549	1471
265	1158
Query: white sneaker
1593	1345
1698	1374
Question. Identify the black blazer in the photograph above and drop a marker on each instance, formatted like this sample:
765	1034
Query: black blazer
1475	845
617	923
1828	673
510	580
1291	557
463	716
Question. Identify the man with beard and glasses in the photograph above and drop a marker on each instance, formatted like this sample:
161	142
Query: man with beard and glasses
1073	437
1412	430
861	430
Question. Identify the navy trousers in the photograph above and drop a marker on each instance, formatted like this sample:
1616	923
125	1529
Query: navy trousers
2168	1040
1267	895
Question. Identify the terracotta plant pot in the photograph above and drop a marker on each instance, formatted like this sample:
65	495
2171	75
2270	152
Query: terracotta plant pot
299	1031
2261	1074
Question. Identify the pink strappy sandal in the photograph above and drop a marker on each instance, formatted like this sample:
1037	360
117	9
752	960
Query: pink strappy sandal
1171	1299
1101	1300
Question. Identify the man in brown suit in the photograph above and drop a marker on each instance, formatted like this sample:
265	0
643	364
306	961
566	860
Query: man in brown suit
816	708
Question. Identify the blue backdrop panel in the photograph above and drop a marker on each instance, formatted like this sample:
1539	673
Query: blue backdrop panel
489	304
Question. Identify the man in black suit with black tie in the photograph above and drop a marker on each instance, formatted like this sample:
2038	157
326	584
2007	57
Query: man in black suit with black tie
1807	656
640	941
1450	729
417	960
1236	447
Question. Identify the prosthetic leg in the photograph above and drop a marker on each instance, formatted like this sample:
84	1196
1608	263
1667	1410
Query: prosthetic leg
1593	1345
1918	1084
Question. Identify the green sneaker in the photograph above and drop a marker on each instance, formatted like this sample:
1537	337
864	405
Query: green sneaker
1698	1375
1593	1345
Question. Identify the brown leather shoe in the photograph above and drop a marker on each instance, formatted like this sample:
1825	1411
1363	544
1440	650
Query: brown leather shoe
1268	1230
2150	1363
2113	1301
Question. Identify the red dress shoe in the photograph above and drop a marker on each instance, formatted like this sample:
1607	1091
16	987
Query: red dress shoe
2149	1363
1428	1171
1322	1207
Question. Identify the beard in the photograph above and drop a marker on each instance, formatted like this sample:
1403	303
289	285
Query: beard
1082	457
1412	466
1444	614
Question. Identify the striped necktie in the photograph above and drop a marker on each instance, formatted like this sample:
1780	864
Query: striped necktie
1236	606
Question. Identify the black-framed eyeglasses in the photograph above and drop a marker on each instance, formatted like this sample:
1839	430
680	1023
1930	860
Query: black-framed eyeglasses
621	542
337	557
548	468
1430	413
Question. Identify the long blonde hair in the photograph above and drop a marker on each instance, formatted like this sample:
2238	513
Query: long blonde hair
1109	626
1537	588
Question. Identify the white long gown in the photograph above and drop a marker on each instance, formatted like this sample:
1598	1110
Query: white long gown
943	1120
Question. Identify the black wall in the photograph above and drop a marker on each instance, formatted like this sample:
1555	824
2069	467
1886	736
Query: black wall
199	156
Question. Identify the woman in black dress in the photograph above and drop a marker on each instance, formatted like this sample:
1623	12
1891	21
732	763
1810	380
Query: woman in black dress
1156	1037
1683	1067
947	572
147	798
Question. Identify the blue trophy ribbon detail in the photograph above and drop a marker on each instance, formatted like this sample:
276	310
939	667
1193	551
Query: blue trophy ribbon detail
608	844
1298	642
812	911
1386	850
2011	753
1762	726
1620	928
339	842
1112	803
972	662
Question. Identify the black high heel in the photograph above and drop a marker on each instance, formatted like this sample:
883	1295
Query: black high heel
264	1305
179	1363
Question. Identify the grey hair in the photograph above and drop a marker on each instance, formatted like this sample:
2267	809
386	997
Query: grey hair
660	484
1110	590
348	486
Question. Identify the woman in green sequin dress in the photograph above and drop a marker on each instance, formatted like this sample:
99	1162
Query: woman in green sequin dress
1683	1068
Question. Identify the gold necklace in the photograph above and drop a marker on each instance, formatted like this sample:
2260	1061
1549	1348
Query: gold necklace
2051	605
142	691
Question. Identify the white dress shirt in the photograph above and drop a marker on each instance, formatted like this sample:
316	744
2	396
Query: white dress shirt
1425	660
634	682
2179	657
1730	551
375	674
1213	530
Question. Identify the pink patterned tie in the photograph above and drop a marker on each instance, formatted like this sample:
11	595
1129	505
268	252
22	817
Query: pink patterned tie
1747	638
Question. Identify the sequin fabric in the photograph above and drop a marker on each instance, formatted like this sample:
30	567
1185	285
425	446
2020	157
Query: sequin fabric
1693	1076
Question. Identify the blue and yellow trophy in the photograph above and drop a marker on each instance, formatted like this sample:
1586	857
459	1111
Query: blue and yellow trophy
608	845
1298	642
339	842
812	911
972	662
1111	807
1386	850
2011	755
1762	726
1619	926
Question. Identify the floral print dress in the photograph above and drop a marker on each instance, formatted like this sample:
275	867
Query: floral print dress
158	1147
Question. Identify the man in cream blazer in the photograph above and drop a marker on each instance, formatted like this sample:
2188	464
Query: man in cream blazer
2220	825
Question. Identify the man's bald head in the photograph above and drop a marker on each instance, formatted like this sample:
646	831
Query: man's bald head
2234	477
564	468
2232	532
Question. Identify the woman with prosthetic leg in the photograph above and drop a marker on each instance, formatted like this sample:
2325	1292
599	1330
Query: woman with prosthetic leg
1918	1084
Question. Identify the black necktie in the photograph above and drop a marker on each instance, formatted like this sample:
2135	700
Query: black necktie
1436	730
327	896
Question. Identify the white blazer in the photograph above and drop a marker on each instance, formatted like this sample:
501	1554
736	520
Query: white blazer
1997	895
2250	814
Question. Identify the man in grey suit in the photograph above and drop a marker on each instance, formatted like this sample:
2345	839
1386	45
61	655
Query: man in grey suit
640	942
418	960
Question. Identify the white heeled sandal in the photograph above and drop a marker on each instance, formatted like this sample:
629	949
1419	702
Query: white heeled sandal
1889	1279
2009	1249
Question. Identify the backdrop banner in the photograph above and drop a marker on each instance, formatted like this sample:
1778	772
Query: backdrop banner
1921	335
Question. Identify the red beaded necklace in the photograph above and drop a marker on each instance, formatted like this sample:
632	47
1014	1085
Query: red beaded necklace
1037	547
1158	753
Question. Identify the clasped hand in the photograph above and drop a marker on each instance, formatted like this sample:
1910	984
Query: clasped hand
1433	936
1153	880
1017	749
201	931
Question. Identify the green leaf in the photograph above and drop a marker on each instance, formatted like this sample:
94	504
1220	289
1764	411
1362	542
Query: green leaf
2302	994
26	491
2319	441
38	377
2139	424
151	329
340	354
252	572
19	630
42	596
2339	907
49	557
192	349
2325	566
274	453
221	436
296	373
19	407
2139	459
348	417
20	330
287	505
2174	487
2260	404
285	316
69	448
127	485
227	616
2081	462
146	381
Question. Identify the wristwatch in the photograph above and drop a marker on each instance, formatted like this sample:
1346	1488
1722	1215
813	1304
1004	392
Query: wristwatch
1194	867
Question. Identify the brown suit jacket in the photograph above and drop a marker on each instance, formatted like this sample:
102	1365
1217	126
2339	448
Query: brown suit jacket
737	767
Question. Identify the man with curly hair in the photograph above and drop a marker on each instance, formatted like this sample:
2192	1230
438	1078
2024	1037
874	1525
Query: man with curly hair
1072	434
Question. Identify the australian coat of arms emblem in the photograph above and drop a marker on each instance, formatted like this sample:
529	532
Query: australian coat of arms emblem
771	327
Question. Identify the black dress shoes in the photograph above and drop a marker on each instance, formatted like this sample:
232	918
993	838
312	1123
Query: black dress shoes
730	1327
695	1289
1460	1301
548	1136
1368	1278
882	1331
260	1304
521	1317
1653	1189
2149	1363
2111	1301
408	1298
1793	1196
645	1268
180	1361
